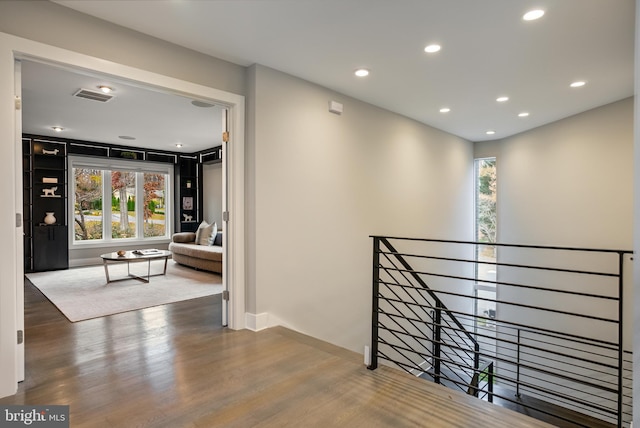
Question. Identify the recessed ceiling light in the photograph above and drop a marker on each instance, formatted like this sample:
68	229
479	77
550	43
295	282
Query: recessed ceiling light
532	15
523	114
578	84
178	145
502	99
490	132
126	137
57	128
445	110
105	89
362	72
432	48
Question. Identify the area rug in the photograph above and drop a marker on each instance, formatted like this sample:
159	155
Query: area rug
83	293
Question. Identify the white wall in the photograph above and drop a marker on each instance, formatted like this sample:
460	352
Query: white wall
570	184
323	183
212	193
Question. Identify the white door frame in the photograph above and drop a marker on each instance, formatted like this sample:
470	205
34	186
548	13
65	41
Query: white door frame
17	84
14	48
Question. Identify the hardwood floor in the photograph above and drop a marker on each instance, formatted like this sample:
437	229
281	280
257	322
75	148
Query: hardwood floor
175	366
526	405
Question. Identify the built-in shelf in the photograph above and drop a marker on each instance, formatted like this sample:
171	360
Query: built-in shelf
44	165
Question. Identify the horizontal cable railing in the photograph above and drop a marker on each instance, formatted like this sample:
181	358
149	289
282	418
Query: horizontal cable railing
416	331
551	342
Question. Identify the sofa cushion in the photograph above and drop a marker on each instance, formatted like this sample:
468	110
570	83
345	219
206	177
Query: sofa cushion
218	239
214	233
204	233
201	227
184	237
205	252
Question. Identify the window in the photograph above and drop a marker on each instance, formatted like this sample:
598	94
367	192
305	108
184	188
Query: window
119	201
123	204
486	226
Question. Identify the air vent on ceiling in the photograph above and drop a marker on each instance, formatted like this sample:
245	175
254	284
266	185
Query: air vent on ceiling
93	95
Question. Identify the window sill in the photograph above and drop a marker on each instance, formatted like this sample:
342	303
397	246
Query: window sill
124	243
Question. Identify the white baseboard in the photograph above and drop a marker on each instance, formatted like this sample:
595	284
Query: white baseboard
256	322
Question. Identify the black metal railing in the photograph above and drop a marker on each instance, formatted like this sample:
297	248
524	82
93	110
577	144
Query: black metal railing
554	339
417	331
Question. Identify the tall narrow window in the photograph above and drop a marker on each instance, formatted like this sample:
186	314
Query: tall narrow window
87	204
154	205
123	204
486	226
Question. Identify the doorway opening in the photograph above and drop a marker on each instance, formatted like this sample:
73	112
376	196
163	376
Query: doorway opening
227	110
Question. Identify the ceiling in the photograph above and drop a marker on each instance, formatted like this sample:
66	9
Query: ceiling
156	120
488	51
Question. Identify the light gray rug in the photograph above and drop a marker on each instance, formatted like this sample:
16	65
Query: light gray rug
83	293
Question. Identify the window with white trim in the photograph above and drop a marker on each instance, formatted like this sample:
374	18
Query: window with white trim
119	201
486	227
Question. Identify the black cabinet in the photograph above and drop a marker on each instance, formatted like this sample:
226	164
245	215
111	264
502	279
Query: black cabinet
48	242
45	205
189	172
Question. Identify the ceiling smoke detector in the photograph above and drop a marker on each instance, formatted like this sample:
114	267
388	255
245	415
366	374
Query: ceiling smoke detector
90	94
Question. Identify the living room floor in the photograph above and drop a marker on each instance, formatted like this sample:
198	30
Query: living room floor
176	366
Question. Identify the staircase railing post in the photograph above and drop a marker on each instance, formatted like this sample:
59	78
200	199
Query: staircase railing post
476	366
518	367
490	382
373	361
437	335
620	334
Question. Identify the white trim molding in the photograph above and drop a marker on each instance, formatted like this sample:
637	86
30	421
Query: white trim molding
257	322
261	321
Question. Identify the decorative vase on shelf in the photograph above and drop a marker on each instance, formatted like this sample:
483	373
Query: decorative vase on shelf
49	218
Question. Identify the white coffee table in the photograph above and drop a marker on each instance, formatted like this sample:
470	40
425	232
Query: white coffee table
129	257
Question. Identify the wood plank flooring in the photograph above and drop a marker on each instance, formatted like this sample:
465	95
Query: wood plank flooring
175	366
545	410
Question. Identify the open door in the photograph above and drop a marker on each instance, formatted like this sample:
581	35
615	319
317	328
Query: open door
20	365
225	218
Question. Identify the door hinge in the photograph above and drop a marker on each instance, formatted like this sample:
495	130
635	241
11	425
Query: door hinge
18	103
225	136
18	219
225	216
225	295
20	337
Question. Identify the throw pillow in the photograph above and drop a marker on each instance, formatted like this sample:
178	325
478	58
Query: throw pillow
214	233
218	239
199	231
205	235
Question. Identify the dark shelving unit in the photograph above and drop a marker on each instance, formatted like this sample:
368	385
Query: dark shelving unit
189	172
45	205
